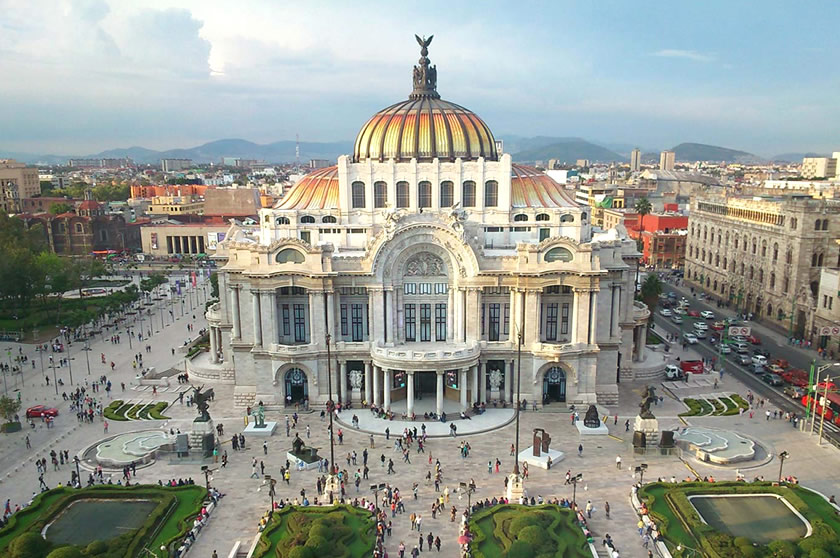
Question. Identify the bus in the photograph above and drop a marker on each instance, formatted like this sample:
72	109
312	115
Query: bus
832	409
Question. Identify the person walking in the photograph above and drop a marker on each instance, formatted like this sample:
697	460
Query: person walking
618	462
607	509
580	450
265	448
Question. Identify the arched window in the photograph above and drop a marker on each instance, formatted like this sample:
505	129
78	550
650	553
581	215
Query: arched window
793	223
742	269
306	219
715	285
763	248
752	272
358	195
717	261
772	281
402	194
814	260
446	193
328	219
775	251
725	263
543	217
760	276
825	225
788	256
736	241
79	228
289	255
282	221
754	246
820	260
558	254
424	194
520	217
780	315
785	284
569	218
491	193
380	195
468	194
770	310
818	225
705	233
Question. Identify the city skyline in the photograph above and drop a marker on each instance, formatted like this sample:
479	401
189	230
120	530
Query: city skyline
95	75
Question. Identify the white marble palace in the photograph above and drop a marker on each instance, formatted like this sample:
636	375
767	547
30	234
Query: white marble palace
424	258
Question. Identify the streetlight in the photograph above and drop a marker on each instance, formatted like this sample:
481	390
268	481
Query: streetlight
813	388
207	470
692	550
55	381
87	350
271	484
641	470
518	386
375	488
78	472
824	405
782	456
330	409
469	489
575	480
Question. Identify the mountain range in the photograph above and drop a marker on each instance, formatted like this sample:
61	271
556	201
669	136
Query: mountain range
526	150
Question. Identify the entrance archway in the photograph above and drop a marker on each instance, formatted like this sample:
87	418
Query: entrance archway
554	385
297	387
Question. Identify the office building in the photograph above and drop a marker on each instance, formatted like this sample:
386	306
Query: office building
636	160
667	160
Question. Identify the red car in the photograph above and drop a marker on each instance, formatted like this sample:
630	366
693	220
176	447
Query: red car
693	313
753	339
41	411
718	326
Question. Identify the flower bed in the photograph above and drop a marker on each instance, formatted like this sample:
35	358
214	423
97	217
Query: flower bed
340	531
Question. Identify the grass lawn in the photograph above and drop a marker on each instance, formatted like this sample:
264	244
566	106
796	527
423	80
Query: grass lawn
312	532
548	531
681	524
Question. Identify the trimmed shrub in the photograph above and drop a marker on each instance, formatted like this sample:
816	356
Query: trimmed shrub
65	552
520	549
301	552
96	547
156	412
28	545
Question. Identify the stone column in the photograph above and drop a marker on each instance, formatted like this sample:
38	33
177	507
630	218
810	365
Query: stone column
450	315
331	325
342	381
532	316
409	390
237	324
439	393
368	382
593	318
462	384
482	382
459	316
640	342
581	317
514	316
387	390
377	328
376	390
473	313
317	325
255	300
387	301
214	349
615	330
268	304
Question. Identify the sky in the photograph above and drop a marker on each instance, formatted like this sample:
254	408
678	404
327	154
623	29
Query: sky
81	76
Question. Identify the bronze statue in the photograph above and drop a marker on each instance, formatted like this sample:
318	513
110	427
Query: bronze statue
297	445
259	416
200	398
648	398
542	440
591	418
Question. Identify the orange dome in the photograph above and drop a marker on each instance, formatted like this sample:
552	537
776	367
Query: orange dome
316	190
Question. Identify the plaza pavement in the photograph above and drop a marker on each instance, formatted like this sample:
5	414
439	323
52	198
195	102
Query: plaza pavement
246	498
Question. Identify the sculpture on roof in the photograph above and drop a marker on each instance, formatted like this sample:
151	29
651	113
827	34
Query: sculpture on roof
458	216
425	76
392	217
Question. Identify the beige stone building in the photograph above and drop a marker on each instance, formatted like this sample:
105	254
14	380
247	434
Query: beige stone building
820	167
827	319
764	255
176	205
17	181
425	257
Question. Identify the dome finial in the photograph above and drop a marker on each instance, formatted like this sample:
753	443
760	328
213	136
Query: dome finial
425	76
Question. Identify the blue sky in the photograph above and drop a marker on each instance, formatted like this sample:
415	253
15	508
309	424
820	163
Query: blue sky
86	75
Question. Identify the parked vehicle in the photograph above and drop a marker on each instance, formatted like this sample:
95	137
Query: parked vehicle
760	359
41	411
757	368
743	359
677	319
742	348
690	338
708	314
700	333
775	369
754	340
772	380
692	366
674	372
701	326
665	313
693	313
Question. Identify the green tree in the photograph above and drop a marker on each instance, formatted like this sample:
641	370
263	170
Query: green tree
214	285
28	545
65	552
9	407
148	284
56	276
650	291
643	208
59	208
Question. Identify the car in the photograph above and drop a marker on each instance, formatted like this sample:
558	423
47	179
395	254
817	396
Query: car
673	372
41	411
699	334
731	320
794	392
677	319
743	359
742	348
775	369
665	312
701	326
781	362
725	349
679	310
693	313
692	366
672	295
772	379
718	326
708	314
753	339
759	359
762	352
690	338
738	339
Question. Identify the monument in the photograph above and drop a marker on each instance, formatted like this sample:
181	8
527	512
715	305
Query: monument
592	423
202	435
260	427
540	453
646	427
303	457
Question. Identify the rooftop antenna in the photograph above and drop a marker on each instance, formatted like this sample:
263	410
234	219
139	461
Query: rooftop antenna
297	150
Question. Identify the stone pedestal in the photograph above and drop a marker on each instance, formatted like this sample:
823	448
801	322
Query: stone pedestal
650	428
200	429
528	457
267	430
515	488
600	430
308	465
332	486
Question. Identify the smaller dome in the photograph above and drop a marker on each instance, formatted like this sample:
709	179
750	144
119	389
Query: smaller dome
316	190
532	188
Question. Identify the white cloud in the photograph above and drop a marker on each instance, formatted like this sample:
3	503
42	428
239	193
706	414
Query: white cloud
686	54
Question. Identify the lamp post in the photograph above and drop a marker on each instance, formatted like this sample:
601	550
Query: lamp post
207	470
681	547
641	470
824	405
331	481
271	484
782	456
575	480
55	381
375	488
518	385
468	489
78	472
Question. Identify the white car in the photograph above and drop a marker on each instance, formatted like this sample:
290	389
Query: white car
665	312
725	349
759	359
701	326
708	314
673	372
677	319
699	333
690	338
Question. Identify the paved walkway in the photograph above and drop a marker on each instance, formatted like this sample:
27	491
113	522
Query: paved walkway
489	420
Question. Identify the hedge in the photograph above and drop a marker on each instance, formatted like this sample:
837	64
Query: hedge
111	411
696	407
731	407
719	408
156	412
740	401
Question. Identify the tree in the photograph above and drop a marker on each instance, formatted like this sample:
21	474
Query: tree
214	285
9	407
643	208
59	208
650	291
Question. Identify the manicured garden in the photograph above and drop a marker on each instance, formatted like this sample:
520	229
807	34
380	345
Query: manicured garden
513	531
681	524
312	532
724	405
121	411
171	519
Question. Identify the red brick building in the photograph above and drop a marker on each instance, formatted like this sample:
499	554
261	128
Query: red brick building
663	239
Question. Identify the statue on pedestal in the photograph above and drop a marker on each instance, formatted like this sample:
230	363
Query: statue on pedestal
297	445
648	398
591	418
200	399
542	440
259	416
